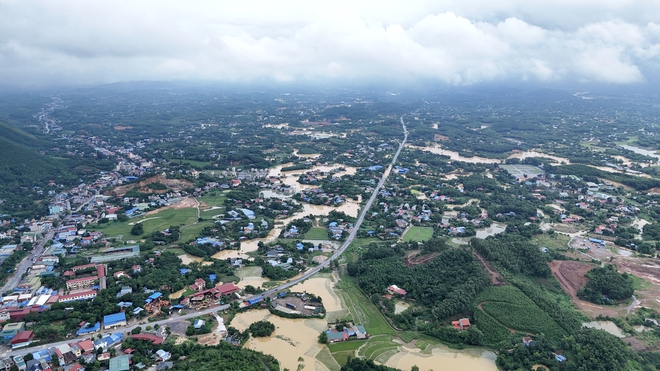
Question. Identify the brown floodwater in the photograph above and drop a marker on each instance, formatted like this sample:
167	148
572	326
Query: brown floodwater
443	358
322	287
293	339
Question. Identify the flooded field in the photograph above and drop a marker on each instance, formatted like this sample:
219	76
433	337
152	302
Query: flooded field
322	287
444	358
400	307
187	259
455	156
250	276
608	326
292	340
641	151
494	229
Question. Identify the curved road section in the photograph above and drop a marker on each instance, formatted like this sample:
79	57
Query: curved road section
272	291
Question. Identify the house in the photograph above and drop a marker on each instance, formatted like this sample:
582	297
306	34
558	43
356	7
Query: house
199	285
163	355
394	289
560	358
19	362
121	363
461	324
114	320
108	341
335	336
86	346
527	341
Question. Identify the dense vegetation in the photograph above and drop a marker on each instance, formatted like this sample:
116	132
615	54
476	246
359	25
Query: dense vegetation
261	329
589	349
361	364
513	253
606	286
223	357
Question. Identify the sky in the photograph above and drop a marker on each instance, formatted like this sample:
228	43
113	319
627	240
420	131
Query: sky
456	42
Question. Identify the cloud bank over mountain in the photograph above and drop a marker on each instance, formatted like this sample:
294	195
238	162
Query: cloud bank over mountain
457	42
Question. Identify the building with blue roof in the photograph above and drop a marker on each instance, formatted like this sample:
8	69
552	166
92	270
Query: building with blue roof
153	297
114	320
212	277
88	329
249	213
183	271
108	341
255	300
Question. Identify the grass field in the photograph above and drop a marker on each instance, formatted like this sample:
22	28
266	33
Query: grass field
186	218
341	351
317	234
556	241
217	200
363	311
418	234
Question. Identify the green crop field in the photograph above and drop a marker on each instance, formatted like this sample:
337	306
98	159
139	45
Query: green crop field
511	308
317	234
418	234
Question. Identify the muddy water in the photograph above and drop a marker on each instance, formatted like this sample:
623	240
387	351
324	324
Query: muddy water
187	259
322	287
639	224
400	307
455	156
608	326
310	156
641	151
250	276
445	359
293	338
494	229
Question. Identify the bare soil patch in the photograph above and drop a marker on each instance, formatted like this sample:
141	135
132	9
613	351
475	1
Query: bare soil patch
647	269
496	278
414	258
186	202
570	275
173	184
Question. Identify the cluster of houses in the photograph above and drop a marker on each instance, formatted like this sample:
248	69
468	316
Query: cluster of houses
70	356
357	332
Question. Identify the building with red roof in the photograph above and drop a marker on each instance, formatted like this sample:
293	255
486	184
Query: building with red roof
155	340
22	339
461	324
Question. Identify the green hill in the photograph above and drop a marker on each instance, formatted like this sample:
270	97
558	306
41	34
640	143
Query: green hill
18	136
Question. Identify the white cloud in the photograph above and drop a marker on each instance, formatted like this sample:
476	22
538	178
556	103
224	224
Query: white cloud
456	41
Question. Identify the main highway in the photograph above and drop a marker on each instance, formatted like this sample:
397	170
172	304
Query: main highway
309	273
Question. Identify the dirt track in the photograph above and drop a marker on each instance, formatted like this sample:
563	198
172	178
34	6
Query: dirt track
415	258
570	275
495	278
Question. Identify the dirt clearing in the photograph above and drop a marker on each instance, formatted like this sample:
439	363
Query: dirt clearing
570	275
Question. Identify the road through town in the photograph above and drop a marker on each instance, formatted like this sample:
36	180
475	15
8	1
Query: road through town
273	290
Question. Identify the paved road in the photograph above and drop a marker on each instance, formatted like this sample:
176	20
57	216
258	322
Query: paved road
272	291
22	267
37	250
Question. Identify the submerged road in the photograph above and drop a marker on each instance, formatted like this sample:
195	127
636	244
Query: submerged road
272	291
